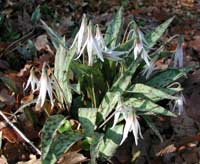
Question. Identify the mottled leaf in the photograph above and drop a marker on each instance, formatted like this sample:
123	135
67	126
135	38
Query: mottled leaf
150	92
113	30
49	131
148	106
61	144
112	140
155	35
87	117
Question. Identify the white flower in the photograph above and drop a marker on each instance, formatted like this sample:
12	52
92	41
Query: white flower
132	123
81	35
91	44
179	104
139	50
108	53
148	70
33	81
99	38
44	88
178	58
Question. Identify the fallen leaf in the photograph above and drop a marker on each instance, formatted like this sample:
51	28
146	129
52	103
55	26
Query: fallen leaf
42	43
72	158
10	135
6	98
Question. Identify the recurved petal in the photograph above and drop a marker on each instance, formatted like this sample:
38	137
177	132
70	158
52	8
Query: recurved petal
126	130
98	50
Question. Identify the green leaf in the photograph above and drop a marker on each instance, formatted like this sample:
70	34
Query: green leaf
113	30
56	38
112	97
112	140
125	46
150	92
87	117
49	131
8	82
62	69
97	141
61	144
147	106
65	127
36	15
153	127
168	76
155	35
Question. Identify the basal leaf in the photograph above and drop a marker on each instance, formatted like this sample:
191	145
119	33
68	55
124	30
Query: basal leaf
168	76
61	144
150	92
113	30
97	141
49	131
56	38
112	140
9	83
36	15
63	61
87	117
148	106
155	35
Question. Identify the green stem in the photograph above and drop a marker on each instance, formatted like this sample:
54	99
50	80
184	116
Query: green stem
93	92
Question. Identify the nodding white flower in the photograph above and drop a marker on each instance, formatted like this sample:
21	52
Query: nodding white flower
109	53
80	36
91	44
178	58
44	88
132	123
179	104
32	80
149	69
139	50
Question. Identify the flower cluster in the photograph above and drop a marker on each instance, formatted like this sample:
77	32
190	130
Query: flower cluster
85	39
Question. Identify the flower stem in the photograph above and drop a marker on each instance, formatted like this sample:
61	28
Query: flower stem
93	92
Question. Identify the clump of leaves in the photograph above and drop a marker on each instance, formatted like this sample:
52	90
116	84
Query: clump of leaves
110	76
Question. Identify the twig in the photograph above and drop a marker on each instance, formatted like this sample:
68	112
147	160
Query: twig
20	133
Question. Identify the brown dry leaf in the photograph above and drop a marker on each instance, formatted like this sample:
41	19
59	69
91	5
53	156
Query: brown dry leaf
33	160
27	99
195	43
169	149
72	158
42	43
187	3
6	98
25	71
10	135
